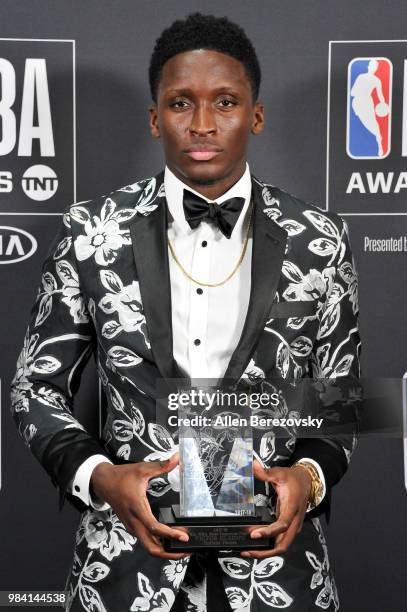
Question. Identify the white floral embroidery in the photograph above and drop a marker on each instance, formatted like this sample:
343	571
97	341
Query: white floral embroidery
126	301
144	204
72	295
268	198
329	244
159	442
21	384
348	274
122	357
321	576
50	397
150	600
288	351
311	286
325	365
29	432
175	572
30	361
270	592
104	532
103	237
291	226
253	374
273	213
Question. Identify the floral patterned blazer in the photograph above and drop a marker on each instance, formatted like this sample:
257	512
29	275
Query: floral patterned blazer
105	289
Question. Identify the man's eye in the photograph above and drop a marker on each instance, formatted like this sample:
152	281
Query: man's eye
178	102
229	103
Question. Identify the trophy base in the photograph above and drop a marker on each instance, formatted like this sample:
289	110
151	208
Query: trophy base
217	532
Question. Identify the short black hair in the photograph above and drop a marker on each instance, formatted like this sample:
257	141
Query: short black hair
199	31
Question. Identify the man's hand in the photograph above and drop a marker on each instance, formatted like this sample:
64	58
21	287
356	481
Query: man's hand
293	487
124	488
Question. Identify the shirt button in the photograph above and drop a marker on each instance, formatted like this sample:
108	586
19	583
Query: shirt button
77	489
204	243
200	291
197	341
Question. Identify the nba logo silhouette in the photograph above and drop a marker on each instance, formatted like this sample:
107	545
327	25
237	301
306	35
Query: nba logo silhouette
369	107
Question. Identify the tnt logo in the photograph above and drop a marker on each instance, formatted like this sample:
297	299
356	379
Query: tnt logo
369	108
39	182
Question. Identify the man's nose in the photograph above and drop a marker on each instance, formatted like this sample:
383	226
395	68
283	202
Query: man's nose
203	120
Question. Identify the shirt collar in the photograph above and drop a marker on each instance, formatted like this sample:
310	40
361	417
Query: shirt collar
174	188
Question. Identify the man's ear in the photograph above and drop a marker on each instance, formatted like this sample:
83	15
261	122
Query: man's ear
154	128
258	118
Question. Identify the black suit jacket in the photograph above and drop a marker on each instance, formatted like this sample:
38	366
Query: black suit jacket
105	289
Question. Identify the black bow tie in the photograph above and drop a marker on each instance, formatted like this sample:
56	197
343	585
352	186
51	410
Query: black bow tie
224	215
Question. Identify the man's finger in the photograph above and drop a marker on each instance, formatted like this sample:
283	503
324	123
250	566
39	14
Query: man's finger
259	472
157	529
143	513
286	539
155	468
153	545
272	474
287	511
275	474
269	531
281	543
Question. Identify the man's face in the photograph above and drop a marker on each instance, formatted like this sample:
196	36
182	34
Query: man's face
205	115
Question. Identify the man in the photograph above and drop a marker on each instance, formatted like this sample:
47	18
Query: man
159	282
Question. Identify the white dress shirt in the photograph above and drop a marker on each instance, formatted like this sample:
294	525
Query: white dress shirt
207	321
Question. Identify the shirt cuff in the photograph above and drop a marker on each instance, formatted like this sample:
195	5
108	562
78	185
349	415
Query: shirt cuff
80	484
320	474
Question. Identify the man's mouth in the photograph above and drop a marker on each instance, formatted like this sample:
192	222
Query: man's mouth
202	152
202	155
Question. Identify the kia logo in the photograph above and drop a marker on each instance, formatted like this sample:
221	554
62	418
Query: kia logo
15	244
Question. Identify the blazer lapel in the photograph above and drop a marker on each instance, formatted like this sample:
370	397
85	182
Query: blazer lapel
268	249
149	241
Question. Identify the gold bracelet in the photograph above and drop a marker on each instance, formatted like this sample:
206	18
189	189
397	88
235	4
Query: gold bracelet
315	496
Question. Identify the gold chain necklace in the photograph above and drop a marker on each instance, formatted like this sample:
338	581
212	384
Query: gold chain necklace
234	269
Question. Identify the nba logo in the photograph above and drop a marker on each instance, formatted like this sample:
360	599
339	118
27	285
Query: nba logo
369	107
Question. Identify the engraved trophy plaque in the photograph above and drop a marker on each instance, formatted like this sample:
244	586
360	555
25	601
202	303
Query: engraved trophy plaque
216	482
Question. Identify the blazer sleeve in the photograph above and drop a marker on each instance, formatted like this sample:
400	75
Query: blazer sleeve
335	359
59	340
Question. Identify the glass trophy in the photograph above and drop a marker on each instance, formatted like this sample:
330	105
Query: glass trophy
216	503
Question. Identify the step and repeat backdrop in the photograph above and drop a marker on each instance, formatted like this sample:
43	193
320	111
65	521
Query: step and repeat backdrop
74	125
